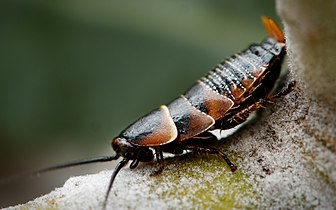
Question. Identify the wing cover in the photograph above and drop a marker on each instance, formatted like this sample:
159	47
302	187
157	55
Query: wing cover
156	128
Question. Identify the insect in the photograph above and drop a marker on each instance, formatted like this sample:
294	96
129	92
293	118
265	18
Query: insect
222	99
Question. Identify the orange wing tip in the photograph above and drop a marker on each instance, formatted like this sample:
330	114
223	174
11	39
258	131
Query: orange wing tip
273	29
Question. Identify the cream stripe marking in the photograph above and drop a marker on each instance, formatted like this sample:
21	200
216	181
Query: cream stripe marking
212	119
165	110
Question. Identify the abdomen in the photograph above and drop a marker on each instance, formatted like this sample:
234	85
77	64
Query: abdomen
251	72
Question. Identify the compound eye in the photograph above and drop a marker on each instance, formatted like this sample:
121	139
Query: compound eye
116	145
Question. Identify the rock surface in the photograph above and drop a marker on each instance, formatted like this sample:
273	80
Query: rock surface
286	159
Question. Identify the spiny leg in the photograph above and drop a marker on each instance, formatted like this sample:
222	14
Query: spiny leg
159	158
211	150
203	143
290	87
241	115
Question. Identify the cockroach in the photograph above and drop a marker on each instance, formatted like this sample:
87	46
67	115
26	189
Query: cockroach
222	99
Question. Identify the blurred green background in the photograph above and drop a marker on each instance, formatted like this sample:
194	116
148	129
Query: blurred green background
75	73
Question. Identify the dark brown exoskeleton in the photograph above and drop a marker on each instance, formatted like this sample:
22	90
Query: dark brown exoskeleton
223	99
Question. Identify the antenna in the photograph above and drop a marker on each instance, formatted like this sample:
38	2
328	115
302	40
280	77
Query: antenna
78	162
121	164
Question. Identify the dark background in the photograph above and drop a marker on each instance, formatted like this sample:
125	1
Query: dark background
75	73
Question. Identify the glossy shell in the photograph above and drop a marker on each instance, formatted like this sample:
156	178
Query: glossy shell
228	85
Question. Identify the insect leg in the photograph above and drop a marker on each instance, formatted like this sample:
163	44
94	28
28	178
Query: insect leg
210	150
242	114
285	91
159	158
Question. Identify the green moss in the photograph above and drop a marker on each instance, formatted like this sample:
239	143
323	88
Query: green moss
205	182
